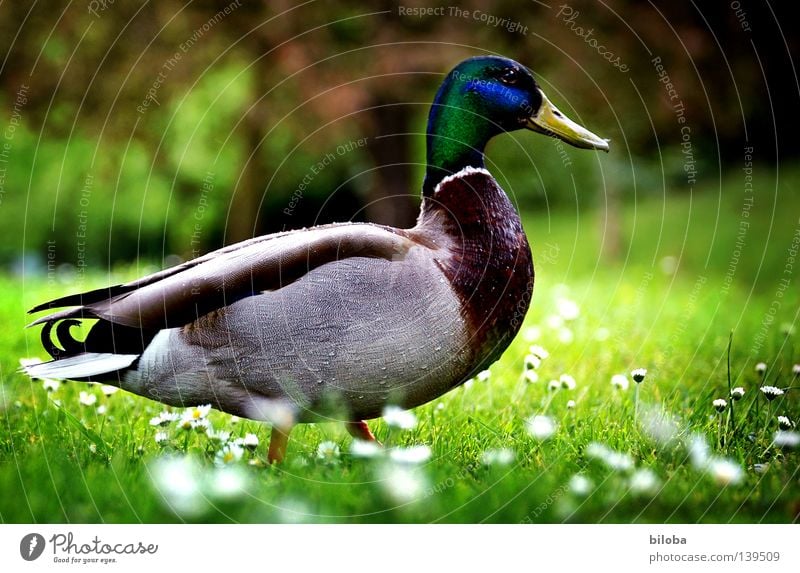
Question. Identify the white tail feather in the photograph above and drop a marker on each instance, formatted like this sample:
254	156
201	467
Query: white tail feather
80	365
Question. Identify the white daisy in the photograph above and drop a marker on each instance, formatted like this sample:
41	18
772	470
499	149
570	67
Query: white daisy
541	427
565	335
644	481
219	437
532	362
788	440
761	368
555	321
619	381
771	392
498	457
568	309
531	376
87	399
571	404
398	418
229	454
198	412
567	382
51	385
539	351
580	485
364	449
638	375
328	451
250	441
411	455
796	369
553	385
784	423
161	437
108	390
484	375
725	472
720	404
613	459
101	410
164	418
403	483
531	333
737	393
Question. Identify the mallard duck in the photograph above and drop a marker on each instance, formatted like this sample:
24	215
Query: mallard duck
338	321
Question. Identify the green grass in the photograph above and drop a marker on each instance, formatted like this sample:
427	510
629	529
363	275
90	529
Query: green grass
69	463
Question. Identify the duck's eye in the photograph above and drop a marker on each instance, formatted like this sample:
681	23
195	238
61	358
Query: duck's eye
510	76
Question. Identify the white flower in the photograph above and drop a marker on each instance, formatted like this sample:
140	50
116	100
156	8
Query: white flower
638	375
554	385
531	376
532	362
50	385
483	375
796	369
364	449
202	425
771	392
498	457
161	437
567	382
440	406
541	427
725	472
219	437
228	482
567	308
581	485
327	451
644	481
720	404
411	455
198	412
571	404
108	390
761	368
250	441
177	479
784	439
784	423
101	410
531	333
619	381
164	418
230	453
615	460
699	452
555	321
737	393
565	335
403	483
539	351
398	418
87	399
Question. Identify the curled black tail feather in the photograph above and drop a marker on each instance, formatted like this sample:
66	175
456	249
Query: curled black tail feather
69	345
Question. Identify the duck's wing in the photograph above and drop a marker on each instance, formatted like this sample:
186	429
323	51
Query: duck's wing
179	295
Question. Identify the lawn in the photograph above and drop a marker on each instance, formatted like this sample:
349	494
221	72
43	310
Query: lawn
502	448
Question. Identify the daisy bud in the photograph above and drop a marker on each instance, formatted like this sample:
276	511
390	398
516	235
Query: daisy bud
720	404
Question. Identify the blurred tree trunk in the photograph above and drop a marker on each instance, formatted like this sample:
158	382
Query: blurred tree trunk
391	199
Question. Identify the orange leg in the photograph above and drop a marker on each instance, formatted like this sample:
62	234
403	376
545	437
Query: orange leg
277	444
360	431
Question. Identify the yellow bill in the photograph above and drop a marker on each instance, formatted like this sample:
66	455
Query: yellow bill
550	121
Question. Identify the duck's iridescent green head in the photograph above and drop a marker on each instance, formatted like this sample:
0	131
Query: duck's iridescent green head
483	97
